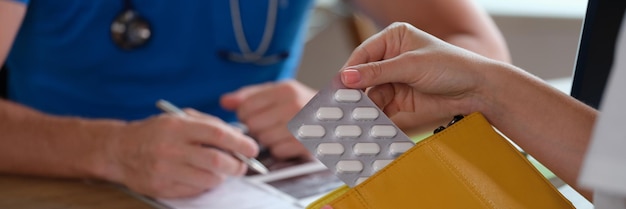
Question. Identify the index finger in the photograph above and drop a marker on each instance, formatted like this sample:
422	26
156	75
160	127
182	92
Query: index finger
383	45
212	131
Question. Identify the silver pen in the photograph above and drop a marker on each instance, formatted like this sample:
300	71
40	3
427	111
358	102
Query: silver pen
251	162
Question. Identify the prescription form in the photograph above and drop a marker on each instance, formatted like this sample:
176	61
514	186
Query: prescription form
260	191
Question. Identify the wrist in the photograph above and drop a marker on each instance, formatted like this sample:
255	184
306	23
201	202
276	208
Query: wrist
503	83
100	161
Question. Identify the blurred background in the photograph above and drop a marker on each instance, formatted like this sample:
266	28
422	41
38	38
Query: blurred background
542	36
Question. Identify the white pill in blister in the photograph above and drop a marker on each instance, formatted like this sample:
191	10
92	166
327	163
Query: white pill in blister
398	148
380	164
365	113
348	131
348	95
329	113
383	131
311	131
330	149
360	180
366	149
349	166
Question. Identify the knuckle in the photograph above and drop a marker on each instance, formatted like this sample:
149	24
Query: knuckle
376	70
360	51
218	135
170	123
400	25
215	160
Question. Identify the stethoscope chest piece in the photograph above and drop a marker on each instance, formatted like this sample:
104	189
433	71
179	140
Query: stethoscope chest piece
129	30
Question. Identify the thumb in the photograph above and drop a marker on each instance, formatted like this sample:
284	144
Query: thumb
231	101
394	70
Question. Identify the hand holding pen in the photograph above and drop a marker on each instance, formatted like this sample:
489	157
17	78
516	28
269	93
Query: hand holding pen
251	162
160	156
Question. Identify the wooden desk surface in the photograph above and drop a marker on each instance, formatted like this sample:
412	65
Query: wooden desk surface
19	192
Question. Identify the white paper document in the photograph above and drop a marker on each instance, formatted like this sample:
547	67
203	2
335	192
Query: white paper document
292	187
234	193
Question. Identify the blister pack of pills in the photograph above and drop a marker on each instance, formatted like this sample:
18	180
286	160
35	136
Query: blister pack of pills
347	132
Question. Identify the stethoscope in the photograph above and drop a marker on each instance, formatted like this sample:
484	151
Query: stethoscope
130	31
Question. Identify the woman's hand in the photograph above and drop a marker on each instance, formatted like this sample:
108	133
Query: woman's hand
408	70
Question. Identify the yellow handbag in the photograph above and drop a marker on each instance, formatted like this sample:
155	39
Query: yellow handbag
467	165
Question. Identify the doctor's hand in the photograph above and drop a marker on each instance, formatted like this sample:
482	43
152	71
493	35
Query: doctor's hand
162	156
409	70
266	109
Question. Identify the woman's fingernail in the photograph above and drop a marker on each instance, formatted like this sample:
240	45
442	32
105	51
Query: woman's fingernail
350	76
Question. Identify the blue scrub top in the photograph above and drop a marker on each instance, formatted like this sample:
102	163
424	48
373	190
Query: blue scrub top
64	61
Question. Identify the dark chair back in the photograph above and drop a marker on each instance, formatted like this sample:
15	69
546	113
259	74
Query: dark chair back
4	82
